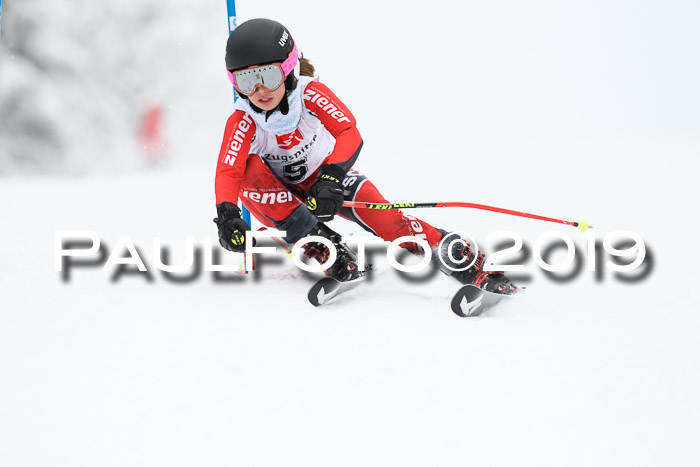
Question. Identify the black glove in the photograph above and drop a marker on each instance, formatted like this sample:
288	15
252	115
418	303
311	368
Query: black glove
232	229
325	197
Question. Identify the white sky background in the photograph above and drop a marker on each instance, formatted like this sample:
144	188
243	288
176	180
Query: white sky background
579	111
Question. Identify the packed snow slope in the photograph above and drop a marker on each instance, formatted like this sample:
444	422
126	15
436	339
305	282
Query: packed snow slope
577	112
248	373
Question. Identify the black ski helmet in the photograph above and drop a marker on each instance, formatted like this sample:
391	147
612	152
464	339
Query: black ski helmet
258	42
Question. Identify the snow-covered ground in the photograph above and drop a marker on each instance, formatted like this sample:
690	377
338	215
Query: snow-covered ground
571	111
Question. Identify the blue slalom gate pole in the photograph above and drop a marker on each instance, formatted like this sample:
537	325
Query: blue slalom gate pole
231	8
0	17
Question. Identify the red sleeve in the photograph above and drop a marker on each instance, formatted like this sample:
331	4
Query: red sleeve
336	117
233	155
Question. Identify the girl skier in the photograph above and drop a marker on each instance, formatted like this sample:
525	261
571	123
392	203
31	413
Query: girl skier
288	153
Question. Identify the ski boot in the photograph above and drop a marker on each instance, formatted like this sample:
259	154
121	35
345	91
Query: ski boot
345	267
490	281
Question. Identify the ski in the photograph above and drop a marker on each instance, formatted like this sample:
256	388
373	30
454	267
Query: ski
468	301
472	301
324	290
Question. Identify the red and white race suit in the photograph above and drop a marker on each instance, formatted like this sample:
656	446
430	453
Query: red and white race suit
271	173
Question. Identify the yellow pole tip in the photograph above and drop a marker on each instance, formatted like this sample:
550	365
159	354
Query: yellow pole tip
583	226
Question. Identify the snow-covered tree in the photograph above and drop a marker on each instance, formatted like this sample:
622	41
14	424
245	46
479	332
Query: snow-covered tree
77	78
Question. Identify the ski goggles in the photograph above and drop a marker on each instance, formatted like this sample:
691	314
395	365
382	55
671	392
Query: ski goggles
268	76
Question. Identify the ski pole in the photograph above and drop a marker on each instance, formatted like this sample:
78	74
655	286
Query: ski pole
280	242
232	23
582	226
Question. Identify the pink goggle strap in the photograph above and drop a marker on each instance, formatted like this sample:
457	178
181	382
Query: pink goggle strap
287	66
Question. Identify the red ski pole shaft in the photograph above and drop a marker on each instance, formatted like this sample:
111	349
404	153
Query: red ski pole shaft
583	225
280	242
